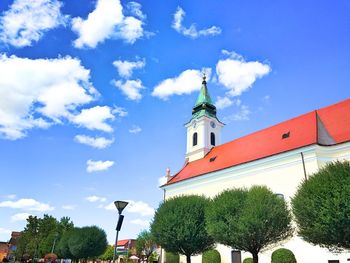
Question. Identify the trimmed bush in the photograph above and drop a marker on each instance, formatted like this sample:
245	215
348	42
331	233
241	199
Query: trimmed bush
172	258
248	260
283	255
211	256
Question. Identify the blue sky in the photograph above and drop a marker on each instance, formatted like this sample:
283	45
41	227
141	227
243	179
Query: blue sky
94	94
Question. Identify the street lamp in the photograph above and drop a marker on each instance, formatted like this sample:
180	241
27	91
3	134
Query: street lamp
120	205
54	242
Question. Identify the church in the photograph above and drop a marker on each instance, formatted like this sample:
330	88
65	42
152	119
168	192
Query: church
280	157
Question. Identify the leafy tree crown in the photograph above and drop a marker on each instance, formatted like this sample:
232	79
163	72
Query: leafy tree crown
321	207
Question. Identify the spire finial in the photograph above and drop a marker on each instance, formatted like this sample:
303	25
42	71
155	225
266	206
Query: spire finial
204	77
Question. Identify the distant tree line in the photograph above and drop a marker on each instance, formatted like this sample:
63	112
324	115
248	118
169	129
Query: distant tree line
45	235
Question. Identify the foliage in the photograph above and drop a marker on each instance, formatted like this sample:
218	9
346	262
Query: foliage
248	260
47	231
179	226
322	207
249	220
153	257
87	242
108	254
145	244
211	256
40	234
172	257
283	255
63	247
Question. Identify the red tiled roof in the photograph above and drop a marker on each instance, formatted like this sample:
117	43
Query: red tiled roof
122	242
304	130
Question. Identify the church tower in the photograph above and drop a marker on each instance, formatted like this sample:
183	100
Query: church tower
204	128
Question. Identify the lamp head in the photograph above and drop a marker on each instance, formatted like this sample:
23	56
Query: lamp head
120	205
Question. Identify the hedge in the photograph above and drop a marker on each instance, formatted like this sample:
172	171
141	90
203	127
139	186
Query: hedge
211	256
283	255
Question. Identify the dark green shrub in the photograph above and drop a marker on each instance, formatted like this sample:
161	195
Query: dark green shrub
248	260
172	258
283	255
211	256
322	207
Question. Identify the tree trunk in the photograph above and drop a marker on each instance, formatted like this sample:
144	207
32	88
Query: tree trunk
255	258
188	258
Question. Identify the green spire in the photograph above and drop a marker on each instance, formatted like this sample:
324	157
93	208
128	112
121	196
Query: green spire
203	96
204	104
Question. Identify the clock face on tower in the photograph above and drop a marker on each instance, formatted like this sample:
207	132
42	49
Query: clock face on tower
212	124
194	124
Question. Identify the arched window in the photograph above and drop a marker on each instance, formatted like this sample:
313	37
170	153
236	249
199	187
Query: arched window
194	139
212	138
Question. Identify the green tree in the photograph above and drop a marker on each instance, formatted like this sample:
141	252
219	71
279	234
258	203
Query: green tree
249	220
283	255
47	233
172	257
145	244
108	254
248	260
211	256
179	226
28	242
322	207
63	250
87	242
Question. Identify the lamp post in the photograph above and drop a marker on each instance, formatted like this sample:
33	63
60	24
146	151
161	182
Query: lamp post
54	243
120	205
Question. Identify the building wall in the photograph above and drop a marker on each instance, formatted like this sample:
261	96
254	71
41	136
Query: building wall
282	173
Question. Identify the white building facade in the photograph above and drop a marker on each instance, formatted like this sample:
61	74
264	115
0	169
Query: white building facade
280	157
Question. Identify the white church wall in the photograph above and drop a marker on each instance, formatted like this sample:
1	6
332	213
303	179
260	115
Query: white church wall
282	173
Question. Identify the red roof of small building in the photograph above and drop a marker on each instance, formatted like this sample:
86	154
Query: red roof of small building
326	126
123	242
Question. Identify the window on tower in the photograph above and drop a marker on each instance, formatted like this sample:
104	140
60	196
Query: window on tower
212	138
195	139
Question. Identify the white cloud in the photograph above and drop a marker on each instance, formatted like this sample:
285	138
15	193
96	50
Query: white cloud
130	88
130	30
39	92
121	112
26	21
237	75
27	204
4	231
110	206
20	217
242	115
187	82
125	68
94	198
135	129
68	207
107	21
140	222
135	10
223	102
137	207
95	118
192	30
140	207
266	99
95	166
96	142
12	196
